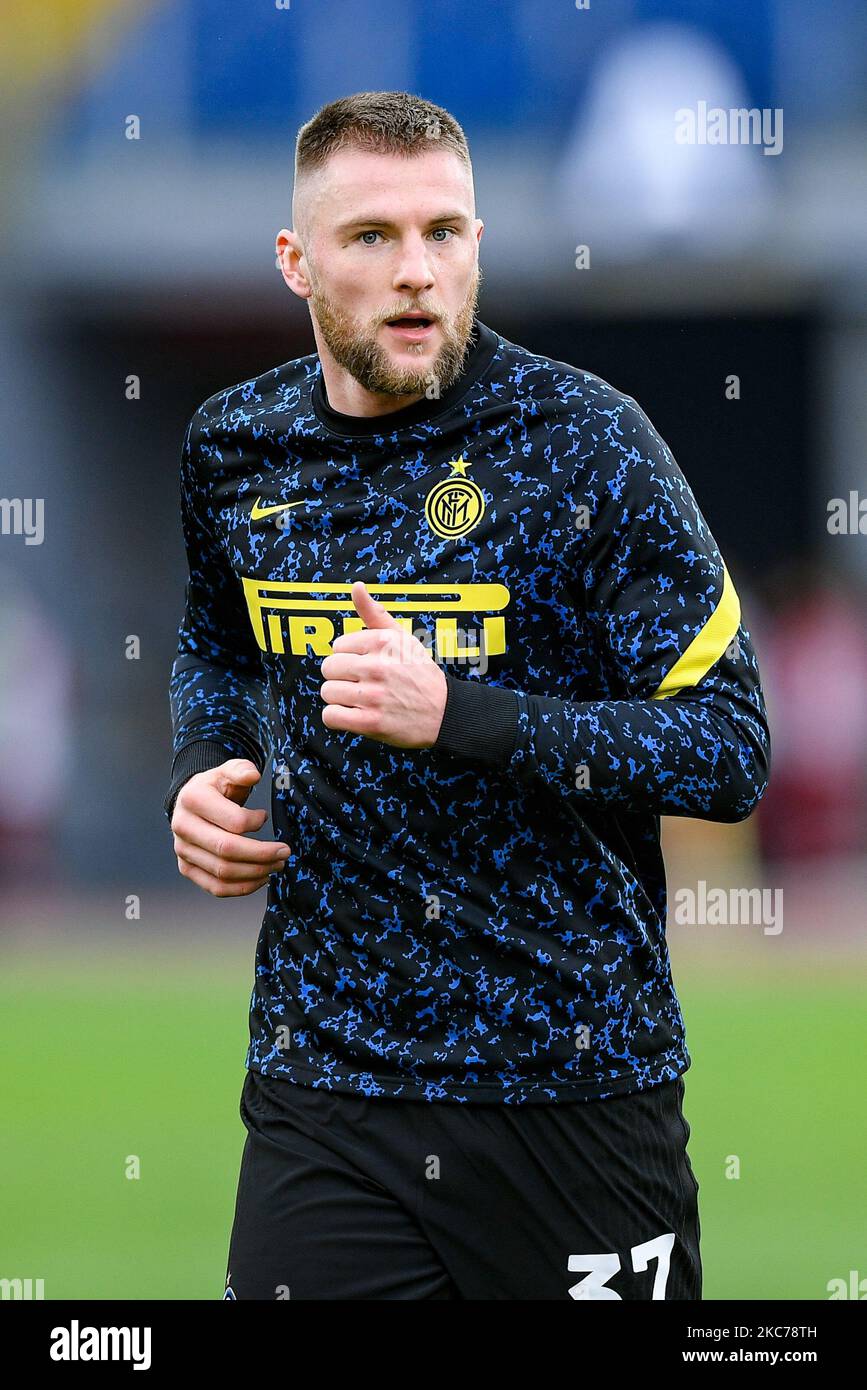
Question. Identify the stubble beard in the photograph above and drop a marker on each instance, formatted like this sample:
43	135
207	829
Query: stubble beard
356	349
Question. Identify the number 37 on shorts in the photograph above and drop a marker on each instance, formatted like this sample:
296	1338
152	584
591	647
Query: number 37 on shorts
598	1269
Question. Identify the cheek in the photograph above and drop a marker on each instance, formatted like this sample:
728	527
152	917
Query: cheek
457	269
349	280
365	290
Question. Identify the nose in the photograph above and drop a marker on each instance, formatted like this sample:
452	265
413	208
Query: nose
413	271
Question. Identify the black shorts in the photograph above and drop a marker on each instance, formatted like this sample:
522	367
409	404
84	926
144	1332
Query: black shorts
350	1197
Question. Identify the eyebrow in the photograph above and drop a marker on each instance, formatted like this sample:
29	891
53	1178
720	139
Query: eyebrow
375	221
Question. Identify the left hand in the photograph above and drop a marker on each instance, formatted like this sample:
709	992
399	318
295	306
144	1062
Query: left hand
382	682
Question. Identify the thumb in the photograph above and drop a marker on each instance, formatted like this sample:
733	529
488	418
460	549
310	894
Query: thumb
237	772
240	770
369	610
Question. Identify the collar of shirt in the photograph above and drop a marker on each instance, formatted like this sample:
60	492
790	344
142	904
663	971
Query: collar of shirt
483	345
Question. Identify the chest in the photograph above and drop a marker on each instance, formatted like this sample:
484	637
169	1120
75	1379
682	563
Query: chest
461	540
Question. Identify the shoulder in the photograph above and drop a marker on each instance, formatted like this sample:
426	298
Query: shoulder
260	400
602	436
568	396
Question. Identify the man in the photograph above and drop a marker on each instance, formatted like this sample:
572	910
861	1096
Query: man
465	597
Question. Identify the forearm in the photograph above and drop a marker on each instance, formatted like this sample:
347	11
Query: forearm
218	690
689	755
217	714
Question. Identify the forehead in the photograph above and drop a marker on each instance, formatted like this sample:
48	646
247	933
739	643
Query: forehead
365	181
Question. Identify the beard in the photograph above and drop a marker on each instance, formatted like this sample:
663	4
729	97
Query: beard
355	348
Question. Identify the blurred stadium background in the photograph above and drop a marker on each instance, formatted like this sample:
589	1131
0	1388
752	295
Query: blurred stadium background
124	1026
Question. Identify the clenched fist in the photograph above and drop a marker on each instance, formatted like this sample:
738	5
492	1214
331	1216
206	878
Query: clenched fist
381	681
210	827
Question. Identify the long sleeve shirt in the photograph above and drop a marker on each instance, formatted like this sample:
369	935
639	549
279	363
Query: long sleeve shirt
482	919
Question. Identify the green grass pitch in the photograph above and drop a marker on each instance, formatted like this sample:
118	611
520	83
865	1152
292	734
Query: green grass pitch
143	1056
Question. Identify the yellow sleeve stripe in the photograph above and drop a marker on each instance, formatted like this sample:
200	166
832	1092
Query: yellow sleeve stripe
707	646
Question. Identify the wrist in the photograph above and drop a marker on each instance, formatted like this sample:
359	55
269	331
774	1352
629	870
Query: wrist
480	721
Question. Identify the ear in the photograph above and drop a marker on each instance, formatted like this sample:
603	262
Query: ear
290	263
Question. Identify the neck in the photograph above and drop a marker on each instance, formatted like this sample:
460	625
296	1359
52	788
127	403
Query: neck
347	395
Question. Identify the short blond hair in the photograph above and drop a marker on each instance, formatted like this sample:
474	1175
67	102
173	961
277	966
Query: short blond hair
385	122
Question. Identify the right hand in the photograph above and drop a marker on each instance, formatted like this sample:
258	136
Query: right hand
210	825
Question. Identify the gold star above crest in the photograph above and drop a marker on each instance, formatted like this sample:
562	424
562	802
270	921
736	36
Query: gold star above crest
460	465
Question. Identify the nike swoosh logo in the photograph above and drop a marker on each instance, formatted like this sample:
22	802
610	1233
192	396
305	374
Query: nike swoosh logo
259	511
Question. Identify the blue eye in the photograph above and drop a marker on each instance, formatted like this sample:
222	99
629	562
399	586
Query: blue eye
448	233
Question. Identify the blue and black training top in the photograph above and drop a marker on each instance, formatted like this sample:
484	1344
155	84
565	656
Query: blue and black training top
482	920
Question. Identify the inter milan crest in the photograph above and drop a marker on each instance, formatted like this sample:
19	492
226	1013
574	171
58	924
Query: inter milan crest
455	504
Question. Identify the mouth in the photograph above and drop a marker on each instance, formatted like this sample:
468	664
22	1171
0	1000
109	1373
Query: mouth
413	328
